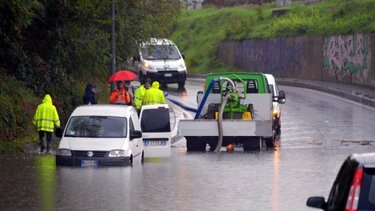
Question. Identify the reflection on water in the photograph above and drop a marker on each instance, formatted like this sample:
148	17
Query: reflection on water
263	180
46	174
276	180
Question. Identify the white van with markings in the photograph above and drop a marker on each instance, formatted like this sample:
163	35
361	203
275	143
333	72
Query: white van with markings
98	135
156	130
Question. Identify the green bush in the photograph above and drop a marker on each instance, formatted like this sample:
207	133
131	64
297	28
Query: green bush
17	106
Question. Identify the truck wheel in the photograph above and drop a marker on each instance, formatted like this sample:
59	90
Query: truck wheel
195	144
277	126
270	144
213	144
278	131
251	144
181	84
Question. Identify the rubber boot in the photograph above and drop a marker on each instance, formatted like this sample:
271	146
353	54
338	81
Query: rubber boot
49	148
41	149
41	146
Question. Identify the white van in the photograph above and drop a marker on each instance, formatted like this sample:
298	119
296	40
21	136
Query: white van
160	60
101	135
278	97
156	130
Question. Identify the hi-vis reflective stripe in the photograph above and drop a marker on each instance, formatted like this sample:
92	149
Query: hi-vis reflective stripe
49	120
45	128
153	102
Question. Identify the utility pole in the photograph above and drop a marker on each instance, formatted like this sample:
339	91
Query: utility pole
113	45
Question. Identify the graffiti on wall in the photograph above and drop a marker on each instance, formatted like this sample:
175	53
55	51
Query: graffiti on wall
346	55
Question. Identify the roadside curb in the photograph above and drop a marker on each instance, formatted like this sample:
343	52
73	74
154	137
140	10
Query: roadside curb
353	95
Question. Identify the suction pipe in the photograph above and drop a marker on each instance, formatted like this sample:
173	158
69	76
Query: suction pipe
220	116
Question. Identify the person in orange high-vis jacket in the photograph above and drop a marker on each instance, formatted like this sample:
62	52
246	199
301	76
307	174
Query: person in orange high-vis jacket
120	95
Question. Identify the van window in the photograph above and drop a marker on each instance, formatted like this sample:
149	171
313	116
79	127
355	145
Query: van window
270	87
158	52
131	126
155	120
97	127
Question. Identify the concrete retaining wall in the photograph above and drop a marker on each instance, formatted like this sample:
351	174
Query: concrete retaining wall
342	58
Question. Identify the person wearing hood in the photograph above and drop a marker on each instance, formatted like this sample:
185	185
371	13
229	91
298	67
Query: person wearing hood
89	96
120	95
46	119
153	95
140	93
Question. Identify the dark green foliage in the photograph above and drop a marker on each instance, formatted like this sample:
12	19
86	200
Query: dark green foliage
16	108
58	46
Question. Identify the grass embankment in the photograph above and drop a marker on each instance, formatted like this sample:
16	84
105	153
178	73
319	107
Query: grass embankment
199	32
17	108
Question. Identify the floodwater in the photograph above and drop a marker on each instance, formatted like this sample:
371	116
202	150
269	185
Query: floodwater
314	142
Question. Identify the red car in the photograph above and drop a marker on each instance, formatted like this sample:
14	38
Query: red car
354	186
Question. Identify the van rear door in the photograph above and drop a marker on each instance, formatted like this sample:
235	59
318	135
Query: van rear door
156	130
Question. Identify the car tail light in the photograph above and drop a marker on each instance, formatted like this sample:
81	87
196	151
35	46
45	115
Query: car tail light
355	189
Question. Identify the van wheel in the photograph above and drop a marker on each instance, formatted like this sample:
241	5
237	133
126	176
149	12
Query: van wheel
181	84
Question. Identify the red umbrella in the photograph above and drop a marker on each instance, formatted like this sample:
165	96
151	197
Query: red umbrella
122	75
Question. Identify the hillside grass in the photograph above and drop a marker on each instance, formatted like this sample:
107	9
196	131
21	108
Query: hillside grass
199	32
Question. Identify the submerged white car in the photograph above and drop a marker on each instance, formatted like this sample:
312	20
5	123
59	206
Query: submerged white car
101	135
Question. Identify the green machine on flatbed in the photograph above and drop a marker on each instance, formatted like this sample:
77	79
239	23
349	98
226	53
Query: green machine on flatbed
235	108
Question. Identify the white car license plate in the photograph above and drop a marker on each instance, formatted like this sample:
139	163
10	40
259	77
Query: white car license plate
168	75
89	163
155	143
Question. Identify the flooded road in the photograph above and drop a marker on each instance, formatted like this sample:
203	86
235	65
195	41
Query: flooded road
318	132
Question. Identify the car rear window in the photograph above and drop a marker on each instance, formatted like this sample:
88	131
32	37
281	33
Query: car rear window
367	196
155	120
97	127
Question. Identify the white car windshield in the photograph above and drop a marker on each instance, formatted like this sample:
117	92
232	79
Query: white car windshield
97	127
160	52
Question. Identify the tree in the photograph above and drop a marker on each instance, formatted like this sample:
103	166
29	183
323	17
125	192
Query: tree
55	46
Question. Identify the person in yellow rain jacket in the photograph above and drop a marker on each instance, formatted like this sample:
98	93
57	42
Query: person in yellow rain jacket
46	119
153	95
139	94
